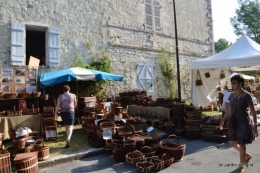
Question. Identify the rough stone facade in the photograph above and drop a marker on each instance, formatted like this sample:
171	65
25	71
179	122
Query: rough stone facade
100	21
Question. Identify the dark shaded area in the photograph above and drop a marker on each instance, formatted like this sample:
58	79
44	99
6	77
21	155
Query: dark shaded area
35	45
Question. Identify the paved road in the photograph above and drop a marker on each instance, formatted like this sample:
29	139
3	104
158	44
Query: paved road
200	156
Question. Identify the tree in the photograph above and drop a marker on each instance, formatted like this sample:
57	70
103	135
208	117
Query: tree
247	19
221	44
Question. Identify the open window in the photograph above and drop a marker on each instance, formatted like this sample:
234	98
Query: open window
40	42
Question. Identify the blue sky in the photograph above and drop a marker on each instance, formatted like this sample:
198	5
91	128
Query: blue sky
222	11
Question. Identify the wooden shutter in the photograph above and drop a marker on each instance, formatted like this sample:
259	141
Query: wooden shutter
17	44
53	47
145	78
157	21
148	15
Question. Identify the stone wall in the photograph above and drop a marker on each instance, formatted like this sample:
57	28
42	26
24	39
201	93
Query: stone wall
101	21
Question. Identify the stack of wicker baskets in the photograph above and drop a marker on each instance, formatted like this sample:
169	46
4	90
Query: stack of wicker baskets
5	162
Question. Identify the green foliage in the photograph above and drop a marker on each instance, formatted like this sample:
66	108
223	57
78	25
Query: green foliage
247	19
221	44
98	61
167	66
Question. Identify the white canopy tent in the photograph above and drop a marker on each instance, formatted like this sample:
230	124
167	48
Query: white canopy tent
243	55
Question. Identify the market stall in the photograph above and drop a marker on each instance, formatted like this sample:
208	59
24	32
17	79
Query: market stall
34	122
243	55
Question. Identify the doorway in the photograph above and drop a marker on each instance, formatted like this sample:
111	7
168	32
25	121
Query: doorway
35	46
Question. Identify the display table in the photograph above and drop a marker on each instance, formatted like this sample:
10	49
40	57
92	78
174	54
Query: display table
34	122
162	111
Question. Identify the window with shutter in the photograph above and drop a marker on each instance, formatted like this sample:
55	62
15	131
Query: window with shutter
152	15
145	78
53	47
23	44
17	44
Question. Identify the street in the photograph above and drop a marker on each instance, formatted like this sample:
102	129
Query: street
200	156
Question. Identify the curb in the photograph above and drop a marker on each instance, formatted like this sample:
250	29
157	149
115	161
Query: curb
69	158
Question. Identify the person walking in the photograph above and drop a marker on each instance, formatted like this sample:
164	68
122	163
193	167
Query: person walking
241	132
66	103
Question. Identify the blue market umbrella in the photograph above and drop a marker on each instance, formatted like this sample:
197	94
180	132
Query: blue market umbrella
76	74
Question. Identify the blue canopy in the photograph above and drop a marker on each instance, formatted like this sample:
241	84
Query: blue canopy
76	74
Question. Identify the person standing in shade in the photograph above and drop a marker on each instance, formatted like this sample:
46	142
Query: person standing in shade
241	133
67	102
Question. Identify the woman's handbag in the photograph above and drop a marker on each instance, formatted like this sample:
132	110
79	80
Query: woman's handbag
207	74
198	81
222	74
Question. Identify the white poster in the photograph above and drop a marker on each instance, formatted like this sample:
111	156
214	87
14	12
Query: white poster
6	88
7	79
7	71
20	80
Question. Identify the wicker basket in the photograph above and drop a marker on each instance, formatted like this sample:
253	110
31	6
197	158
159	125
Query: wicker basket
31	141
35	94
140	142
134	157
158	164
13	151
129	131
147	151
168	160
34	111
11	95
19	143
176	150
48	109
96	141
26	162
2	113
5	162
25	94
2	94
44	96
144	167
11	113
209	129
43	151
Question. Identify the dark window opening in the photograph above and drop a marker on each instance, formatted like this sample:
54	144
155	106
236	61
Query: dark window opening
35	46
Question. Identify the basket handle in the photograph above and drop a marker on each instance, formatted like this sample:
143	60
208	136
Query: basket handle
37	141
145	147
172	135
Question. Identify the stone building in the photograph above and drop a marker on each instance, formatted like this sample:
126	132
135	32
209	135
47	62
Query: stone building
54	30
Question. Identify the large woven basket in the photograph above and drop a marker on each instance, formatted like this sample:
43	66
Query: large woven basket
158	164
176	150
134	157
168	159
5	162
147	151
26	163
140	142
144	167
43	151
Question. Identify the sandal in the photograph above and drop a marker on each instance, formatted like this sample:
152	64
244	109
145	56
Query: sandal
240	169
247	159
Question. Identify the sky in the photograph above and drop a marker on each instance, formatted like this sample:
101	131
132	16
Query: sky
222	11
